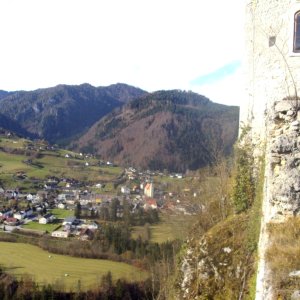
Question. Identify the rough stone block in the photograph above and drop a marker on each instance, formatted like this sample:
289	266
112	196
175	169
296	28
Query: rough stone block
293	162
283	106
275	160
294	128
295	295
281	116
283	144
279	132
277	170
294	274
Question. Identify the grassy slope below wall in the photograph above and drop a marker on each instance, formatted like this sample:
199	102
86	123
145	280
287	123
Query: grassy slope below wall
223	261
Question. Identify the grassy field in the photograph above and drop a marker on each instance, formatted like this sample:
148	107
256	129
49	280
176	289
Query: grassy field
62	213
185	186
20	259
12	162
13	143
42	227
48	163
171	227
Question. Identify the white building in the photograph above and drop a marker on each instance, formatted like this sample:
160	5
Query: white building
60	234
90	225
23	214
29	197
48	218
20	215
149	190
61	206
125	190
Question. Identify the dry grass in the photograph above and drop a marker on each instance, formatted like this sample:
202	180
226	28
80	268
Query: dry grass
170	227
283	256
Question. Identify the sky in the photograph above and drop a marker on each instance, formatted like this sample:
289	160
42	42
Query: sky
152	44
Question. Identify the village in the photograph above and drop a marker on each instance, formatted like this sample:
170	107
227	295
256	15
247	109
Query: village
66	207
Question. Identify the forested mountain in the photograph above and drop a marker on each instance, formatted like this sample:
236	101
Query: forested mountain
11	125
62	112
3	94
176	130
123	92
173	130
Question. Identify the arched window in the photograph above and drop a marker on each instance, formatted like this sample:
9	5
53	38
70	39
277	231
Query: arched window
297	32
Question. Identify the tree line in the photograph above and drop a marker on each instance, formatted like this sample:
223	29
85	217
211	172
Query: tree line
107	289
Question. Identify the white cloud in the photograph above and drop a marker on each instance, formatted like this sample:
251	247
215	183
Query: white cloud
151	44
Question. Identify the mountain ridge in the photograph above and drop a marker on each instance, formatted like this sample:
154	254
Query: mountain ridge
176	130
167	129
62	112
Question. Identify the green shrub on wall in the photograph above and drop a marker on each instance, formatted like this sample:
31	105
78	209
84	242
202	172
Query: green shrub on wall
244	188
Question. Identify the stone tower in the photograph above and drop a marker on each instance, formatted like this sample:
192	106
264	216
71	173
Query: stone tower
271	111
272	69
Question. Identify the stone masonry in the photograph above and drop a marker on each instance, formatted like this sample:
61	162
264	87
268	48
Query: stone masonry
271	110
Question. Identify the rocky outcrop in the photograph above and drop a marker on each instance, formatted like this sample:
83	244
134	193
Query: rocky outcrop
270	110
281	197
216	265
285	159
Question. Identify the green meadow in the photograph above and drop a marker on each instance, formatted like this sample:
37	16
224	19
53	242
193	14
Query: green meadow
62	213
45	163
42	227
65	272
170	227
